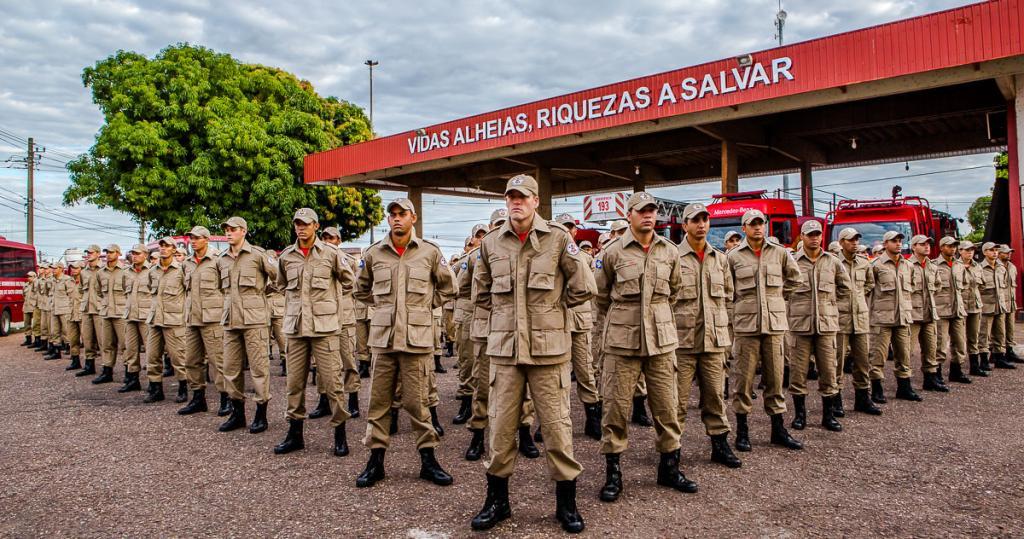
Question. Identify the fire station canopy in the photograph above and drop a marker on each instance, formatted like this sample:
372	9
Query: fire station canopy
931	86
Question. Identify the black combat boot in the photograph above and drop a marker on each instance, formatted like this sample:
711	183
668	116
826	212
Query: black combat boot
742	434
565	507
225	405
983	363
538	436
999	360
640	412
154	393
374	470
592	426
828	418
284	368
237	418
669	474
476	445
837	405
496	507
526	447
76	364
975	365
956	373
932	382
196	405
182	392
862	403
465	410
27	341
393	428
323	408
722	453
259	419
612	478
106	376
340	441
353	404
168	368
40	344
905	392
364	369
435	421
131	383
877	392
1012	357
293	441
780	436
89	368
431	470
799	412
53	353
438	367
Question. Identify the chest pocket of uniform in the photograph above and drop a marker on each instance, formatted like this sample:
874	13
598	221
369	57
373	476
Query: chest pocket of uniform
661	286
805	281
419	280
717	280
773	275
321	277
292	274
827	280
501	274
208	280
225	279
745	277
381	279
542	274
886	282
246	280
689	286
627	279
860	275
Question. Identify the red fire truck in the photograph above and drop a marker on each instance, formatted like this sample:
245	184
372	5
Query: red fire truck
908	215
727	209
16	260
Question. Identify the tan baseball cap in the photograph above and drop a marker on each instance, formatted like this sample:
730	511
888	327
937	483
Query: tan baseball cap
862	248
988	245
139	248
478	228
731	233
113	248
877	249
849	233
966	245
1005	249
640	200
331	231
93	248
750	215
604	238
810	227
565	219
169	241
235	222
586	245
499	215
468	242
834	247
403	203
693	210
522	183
305	215
181	250
920	238
892	235
199	232
31	274
949	240
618	225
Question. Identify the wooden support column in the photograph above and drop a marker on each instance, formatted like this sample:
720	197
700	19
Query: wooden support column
543	177
416	196
1014	150
806	190
730	172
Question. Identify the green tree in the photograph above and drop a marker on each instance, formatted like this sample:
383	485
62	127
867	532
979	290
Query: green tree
193	136
977	214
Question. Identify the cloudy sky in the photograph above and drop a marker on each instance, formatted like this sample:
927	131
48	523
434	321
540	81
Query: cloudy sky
438	61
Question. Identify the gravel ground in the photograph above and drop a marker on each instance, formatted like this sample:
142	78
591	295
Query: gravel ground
82	460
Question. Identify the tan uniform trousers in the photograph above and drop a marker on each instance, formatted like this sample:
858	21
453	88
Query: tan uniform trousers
35	329
327	350
1009	329
972	327
160	340
881	338
204	349
44	325
951	341
708	369
924	334
251	344
824	349
597	345
990	334
277	336
91	335
135	334
482	391
464	348
349	369
413	370
550	386
28	317
618	385
362	334
113	343
69	331
56	329
433	399
748	351
857	346
583	368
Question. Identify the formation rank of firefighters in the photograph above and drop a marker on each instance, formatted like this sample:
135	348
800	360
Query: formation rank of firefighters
633	322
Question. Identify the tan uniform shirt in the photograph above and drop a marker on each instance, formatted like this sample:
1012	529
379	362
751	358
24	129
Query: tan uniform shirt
581	317
204	300
464	285
854	317
76	301
702	317
113	286
167	287
813	306
44	300
480	325
949	295
243	281
92	292
28	295
527	287
65	290
347	303
313	285
890	299
1011	285
404	289
924	283
762	284
972	288
993	288
139	295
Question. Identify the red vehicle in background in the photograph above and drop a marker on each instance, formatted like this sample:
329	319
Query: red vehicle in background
727	209
909	216
217	243
16	260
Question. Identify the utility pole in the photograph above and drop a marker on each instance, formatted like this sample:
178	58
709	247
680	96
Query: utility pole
780	22
371	64
142	231
30	205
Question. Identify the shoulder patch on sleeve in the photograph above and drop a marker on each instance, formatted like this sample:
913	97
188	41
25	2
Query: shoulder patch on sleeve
572	248
362	263
465	265
599	263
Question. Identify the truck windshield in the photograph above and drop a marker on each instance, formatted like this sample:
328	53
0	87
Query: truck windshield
871	232
719	228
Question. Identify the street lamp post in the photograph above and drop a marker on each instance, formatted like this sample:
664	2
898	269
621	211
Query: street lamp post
371	64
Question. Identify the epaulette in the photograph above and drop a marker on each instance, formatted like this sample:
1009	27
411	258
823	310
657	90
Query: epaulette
560	226
431	242
291	248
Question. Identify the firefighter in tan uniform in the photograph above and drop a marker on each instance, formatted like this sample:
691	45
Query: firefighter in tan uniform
764	275
92	302
994	306
45	306
204	334
363	314
528	275
65	290
462	319
951	330
56	332
275	300
854	326
404	277
112	281
349	370
314	275
37	318
166	322
702	323
51	335
814	323
973	307
1010	320
75	325
245	273
891	316
136	330
581	324
925	315
28	296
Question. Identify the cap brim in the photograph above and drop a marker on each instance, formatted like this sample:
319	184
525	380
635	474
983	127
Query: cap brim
644	205
701	212
519	189
306	220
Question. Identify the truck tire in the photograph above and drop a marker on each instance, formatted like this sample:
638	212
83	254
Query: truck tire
5	323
